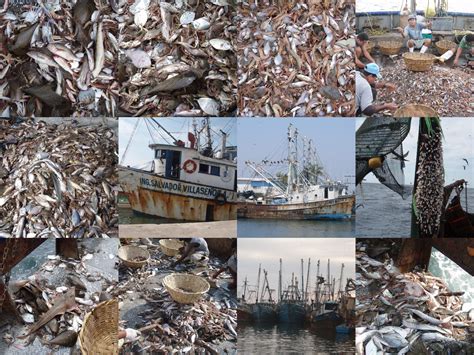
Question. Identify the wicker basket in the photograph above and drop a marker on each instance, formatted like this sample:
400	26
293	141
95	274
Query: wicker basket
390	47
415	111
370	46
128	253
185	288
418	61
99	333
444	45
170	247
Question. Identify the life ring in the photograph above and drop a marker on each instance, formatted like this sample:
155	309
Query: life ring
220	199
189	166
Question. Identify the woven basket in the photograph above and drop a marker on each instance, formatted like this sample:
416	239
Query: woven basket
444	45
418	61
99	333
415	111
128	253
370	46
390	47
185	288
170	247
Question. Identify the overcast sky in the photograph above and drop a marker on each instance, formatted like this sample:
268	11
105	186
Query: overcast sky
263	138
138	153
457	144
268	251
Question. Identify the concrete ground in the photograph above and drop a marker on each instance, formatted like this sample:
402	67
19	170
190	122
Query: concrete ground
221	229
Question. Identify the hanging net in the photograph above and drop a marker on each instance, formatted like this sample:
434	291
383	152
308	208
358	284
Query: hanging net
383	137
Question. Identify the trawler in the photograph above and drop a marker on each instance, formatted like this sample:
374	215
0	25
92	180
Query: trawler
186	181
307	194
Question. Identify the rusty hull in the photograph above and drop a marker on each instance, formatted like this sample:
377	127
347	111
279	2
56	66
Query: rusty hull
178	207
340	208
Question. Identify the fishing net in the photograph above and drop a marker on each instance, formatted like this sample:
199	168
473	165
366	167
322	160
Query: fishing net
383	137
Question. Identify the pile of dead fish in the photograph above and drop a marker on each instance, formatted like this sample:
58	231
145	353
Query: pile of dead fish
59	181
447	90
295	58
207	326
58	58
408	313
177	58
56	313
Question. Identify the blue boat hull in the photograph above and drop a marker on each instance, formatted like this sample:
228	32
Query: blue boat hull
329	320
264	313
291	313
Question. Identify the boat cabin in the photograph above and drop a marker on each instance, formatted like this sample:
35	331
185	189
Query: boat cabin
188	165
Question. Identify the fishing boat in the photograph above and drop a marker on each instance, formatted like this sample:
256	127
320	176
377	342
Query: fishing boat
291	308
186	181
305	193
327	316
264	309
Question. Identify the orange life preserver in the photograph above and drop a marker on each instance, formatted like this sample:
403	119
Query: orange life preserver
189	166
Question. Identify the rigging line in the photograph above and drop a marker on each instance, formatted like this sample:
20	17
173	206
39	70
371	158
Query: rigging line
137	122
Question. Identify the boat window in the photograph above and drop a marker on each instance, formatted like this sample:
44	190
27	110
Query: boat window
215	170
158	154
331	306
203	168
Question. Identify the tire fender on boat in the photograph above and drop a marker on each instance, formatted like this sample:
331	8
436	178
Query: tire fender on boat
220	199
189	166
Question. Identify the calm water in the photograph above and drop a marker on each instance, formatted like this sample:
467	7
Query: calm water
255	228
291	339
383	213
128	216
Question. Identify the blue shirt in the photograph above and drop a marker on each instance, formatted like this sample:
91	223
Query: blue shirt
414	32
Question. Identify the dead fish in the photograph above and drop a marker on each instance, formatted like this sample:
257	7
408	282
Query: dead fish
176	82
41	58
62	51
99	51
67	338
81	14
330	92
75	281
48	96
23	40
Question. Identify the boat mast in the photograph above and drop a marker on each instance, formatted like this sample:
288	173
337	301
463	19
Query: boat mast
292	178
307	280
329	280
223	143
258	280
316	295
340	280
245	287
164	129
279	283
196	134
257	170
292	285
302	278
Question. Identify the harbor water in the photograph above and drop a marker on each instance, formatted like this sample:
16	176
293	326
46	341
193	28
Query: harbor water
380	212
256	228
291	339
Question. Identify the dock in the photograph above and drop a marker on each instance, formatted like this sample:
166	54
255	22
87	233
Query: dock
220	229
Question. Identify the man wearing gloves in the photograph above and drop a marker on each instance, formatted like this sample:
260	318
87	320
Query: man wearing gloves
413	31
366	91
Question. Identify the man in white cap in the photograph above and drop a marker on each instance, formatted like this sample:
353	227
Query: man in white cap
413	31
366	85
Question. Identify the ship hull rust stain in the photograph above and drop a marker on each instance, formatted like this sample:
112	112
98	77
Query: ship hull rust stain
340	208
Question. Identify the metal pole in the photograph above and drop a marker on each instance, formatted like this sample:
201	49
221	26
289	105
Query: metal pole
258	280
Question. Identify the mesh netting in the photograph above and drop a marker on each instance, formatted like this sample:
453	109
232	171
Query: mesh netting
383	137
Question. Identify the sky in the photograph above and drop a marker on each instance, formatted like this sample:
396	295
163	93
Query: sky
396	5
261	138
268	252
139	154
458	143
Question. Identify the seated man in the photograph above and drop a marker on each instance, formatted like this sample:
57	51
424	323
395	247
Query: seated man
366	85
466	44
194	251
413	32
361	50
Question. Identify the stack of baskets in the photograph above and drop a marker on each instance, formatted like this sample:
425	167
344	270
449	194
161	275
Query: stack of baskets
444	45
170	247
99	332
185	288
390	47
413	110
129	253
418	61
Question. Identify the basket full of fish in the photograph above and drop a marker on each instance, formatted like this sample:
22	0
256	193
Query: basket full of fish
418	61
390	47
444	45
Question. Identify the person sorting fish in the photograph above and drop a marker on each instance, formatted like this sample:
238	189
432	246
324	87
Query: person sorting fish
230	266
366	91
362	40
414	32
466	44
195	251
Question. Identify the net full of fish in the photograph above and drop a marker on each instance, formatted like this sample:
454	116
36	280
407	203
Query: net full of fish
296	58
59	181
177	58
447	90
207	326
57	59
407	313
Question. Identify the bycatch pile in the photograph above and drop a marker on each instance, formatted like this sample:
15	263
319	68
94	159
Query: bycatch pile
177	58
207	326
58	58
59	181
408	313
296	58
